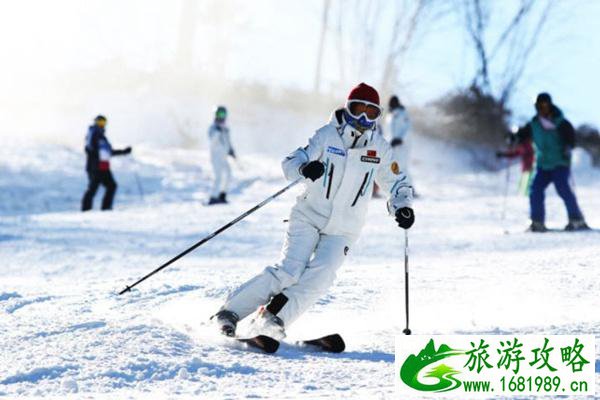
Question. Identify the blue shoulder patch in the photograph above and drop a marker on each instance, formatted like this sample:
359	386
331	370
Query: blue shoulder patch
337	151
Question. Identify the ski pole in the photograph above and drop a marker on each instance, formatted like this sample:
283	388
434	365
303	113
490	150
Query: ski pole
136	176
238	163
212	235
139	185
505	199
510	139
407	330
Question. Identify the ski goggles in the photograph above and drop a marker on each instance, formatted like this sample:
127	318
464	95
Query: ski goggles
221	114
360	109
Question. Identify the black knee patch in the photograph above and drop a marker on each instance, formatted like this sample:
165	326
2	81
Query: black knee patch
277	303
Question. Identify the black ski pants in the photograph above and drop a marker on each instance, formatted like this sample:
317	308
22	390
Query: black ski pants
97	178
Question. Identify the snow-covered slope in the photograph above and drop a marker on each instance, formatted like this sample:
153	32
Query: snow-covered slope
65	332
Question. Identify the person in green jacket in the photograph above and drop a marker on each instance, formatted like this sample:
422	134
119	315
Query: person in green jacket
553	138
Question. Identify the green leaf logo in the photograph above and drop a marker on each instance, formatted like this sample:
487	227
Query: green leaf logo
413	365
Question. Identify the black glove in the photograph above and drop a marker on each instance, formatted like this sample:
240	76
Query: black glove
313	170
500	154
232	153
122	152
405	217
396	142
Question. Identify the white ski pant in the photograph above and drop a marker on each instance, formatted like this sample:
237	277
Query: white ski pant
222	173
305	273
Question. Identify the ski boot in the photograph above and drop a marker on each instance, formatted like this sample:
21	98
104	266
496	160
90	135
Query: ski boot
537	226
577	225
213	201
226	321
221	199
265	323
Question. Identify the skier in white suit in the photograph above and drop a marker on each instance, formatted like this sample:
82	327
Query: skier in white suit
220	149
341	162
398	126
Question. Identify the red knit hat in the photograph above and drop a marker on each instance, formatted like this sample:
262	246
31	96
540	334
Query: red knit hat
364	92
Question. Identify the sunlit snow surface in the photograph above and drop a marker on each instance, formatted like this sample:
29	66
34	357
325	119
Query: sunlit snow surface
65	333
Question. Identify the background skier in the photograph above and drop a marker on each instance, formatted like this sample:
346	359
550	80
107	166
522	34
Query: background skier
553	137
398	127
99	151
341	162
525	151
220	149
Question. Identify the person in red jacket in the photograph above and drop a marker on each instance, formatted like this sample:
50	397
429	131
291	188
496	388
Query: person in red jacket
526	152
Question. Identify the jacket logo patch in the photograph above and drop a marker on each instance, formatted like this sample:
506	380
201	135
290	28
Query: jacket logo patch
374	160
395	168
372	153
337	151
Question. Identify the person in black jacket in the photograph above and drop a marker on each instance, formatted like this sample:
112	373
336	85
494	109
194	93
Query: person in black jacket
99	151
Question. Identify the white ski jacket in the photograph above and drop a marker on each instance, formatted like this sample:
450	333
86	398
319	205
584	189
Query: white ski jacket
337	202
398	124
220	142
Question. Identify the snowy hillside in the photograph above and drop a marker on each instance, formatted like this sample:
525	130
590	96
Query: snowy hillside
65	333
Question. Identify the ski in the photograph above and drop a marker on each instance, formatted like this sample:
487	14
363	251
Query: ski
554	230
559	230
330	343
261	342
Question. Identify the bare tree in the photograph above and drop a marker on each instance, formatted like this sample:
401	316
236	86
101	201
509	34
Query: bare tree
370	15
522	50
404	31
373	37
186	128
322	37
356	37
186	32
499	70
477	20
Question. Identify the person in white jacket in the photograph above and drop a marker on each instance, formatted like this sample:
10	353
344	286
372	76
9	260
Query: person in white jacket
398	128
340	163
220	149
